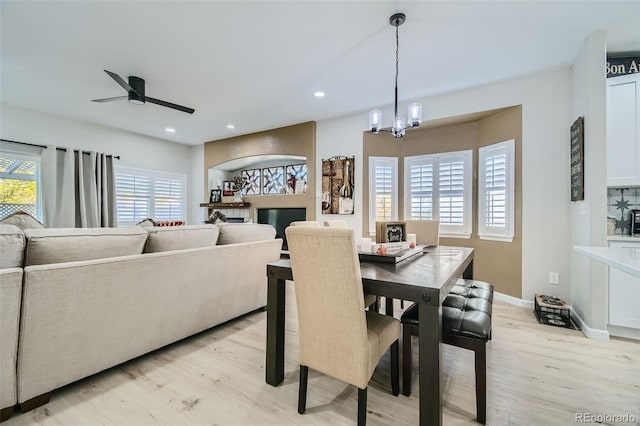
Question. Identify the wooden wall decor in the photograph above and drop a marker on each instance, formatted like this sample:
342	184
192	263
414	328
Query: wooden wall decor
337	185
577	160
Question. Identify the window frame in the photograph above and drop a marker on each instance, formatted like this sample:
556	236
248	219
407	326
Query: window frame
493	233
27	153
377	162
153	175
465	230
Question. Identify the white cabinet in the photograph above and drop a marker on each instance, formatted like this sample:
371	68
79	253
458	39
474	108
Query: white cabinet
623	130
624	295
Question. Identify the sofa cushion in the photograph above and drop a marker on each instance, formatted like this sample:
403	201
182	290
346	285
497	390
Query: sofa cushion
168	238
11	246
58	245
231	233
22	220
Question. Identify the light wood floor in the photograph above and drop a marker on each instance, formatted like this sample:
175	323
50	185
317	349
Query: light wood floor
537	375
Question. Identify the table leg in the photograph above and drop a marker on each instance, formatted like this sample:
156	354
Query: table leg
430	357
468	272
275	331
388	306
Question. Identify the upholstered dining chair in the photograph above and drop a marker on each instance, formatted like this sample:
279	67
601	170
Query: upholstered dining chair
337	336
369	299
312	223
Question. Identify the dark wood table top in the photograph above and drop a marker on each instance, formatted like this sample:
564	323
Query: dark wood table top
426	277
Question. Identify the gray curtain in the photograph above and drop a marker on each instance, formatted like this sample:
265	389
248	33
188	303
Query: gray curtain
78	189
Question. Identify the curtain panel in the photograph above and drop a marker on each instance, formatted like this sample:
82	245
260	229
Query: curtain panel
78	189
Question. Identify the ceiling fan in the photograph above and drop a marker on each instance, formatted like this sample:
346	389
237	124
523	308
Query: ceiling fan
135	90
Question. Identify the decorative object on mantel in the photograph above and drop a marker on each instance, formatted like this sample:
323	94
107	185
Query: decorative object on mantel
240	184
337	185
254	180
415	110
577	160
273	180
228	188
216	196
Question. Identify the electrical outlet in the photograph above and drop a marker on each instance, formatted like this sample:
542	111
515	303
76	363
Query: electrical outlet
554	278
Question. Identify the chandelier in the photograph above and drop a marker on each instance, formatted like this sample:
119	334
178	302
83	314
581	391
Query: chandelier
414	112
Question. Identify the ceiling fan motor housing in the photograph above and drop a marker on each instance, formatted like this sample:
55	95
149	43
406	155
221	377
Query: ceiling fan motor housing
137	95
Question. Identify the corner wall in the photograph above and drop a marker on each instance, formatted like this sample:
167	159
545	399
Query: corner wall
588	218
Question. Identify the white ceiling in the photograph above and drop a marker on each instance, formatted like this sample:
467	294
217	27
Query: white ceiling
257	63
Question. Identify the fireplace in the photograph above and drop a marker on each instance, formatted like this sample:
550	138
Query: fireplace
280	218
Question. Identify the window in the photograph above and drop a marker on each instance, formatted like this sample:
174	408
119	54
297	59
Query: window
439	187
496	191
383	190
20	184
141	194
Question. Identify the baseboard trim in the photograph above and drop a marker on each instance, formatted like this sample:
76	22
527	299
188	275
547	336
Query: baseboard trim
626	332
513	300
592	333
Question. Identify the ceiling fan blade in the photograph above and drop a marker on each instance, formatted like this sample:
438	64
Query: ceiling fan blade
170	105
117	98
121	82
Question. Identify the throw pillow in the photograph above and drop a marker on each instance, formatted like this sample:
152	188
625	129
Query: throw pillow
147	223
22	220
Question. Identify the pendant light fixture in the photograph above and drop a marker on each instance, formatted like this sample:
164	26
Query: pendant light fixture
414	112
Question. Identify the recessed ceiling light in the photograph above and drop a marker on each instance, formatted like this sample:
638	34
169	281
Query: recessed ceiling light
169	129
231	126
319	94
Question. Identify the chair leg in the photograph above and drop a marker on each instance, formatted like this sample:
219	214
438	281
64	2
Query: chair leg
395	379
302	389
481	382
362	407
406	360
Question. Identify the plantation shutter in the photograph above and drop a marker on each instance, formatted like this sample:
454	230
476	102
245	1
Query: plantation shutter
168	196
495	195
133	198
451	176
421	182
383	185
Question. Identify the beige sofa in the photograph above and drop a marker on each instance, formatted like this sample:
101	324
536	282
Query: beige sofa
94	298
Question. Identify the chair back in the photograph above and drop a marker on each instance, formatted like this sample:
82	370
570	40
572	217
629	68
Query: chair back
336	223
313	223
427	231
330	302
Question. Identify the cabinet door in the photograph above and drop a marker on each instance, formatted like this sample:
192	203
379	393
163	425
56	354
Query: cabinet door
624	294
623	132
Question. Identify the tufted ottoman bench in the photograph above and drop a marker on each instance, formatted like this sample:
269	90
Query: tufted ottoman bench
466	323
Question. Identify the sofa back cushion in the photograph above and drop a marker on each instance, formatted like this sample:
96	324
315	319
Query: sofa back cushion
11	247
22	220
166	238
231	233
58	245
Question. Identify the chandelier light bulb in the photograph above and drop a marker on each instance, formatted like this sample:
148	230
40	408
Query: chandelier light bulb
398	129
375	120
415	114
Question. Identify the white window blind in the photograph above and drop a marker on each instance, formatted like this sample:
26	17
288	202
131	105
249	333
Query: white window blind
496	191
383	189
141	194
20	185
439	187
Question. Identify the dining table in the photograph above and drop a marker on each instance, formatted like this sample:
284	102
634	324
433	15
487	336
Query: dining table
425	279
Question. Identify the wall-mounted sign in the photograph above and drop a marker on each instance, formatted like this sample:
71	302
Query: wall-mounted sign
577	160
623	66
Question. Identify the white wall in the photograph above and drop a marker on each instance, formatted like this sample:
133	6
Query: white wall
588	217
135	150
546	107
